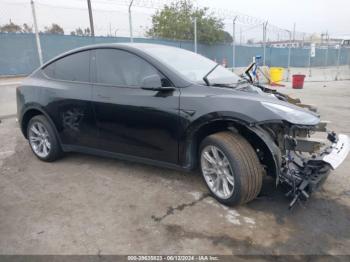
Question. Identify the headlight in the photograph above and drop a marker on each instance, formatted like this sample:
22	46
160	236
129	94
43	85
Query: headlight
292	115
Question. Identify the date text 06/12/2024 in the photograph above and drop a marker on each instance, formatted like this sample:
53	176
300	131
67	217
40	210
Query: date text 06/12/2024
173	258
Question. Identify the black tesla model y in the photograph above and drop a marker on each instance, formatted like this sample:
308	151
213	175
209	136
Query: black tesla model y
171	107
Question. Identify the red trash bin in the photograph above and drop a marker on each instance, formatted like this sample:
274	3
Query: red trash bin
298	81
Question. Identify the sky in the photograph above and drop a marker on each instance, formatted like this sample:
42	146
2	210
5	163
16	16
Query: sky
111	16
309	15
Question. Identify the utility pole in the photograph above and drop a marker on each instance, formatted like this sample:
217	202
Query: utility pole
38	45
130	22
91	19
264	41
234	42
195	34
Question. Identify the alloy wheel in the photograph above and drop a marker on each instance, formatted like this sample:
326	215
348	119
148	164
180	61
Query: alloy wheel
39	139
217	172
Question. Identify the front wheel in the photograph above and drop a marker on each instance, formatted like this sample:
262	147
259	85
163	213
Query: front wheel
230	168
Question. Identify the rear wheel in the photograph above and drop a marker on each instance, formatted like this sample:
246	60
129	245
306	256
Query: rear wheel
42	139
230	168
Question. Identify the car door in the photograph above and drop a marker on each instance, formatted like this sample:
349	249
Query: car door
67	98
131	120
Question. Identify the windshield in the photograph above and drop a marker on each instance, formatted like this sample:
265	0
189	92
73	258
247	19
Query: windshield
191	65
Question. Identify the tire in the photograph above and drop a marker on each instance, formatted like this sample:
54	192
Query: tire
53	149
241	169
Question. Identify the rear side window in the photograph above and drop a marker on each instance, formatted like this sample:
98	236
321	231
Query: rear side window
73	67
121	68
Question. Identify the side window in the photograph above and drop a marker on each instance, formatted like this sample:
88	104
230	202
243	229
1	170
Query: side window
73	67
121	68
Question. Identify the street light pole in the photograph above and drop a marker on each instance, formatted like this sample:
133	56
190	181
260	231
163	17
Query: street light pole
130	22
91	19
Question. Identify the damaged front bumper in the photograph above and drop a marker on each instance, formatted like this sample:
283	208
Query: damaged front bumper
307	163
337	152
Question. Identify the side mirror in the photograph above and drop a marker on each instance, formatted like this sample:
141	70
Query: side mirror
151	82
154	82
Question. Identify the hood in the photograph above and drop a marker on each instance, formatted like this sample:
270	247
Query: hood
253	105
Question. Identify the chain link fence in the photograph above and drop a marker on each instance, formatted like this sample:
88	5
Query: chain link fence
318	56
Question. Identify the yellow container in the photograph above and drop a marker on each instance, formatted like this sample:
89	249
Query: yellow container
276	74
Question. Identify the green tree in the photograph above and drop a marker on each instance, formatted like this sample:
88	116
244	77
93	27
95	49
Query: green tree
54	29
11	28
251	41
175	21
27	28
227	37
81	32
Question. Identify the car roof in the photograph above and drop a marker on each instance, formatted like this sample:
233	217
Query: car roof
134	45
126	46
137	48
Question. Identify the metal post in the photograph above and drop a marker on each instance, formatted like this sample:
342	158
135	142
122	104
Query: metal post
326	58
234	42
240	36
294	33
130	22
91	19
195	34
264	42
303	42
310	57
338	63
38	45
289	53
310	60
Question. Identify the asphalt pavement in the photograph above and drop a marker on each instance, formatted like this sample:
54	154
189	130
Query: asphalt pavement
85	204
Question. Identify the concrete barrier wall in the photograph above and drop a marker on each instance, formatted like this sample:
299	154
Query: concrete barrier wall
18	52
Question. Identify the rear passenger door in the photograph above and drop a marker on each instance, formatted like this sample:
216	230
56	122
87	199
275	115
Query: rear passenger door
131	120
67	98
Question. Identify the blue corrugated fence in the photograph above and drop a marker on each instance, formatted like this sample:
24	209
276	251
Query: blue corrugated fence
18	52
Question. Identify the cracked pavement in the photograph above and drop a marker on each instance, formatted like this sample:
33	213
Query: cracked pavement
92	205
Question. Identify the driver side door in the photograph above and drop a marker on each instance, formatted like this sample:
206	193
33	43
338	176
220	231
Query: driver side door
131	120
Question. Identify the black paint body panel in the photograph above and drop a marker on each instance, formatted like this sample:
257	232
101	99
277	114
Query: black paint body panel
144	124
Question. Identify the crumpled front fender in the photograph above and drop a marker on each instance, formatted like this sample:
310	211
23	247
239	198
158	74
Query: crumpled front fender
272	147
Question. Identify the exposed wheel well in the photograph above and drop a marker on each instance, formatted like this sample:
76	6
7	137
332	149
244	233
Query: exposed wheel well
26	118
264	154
